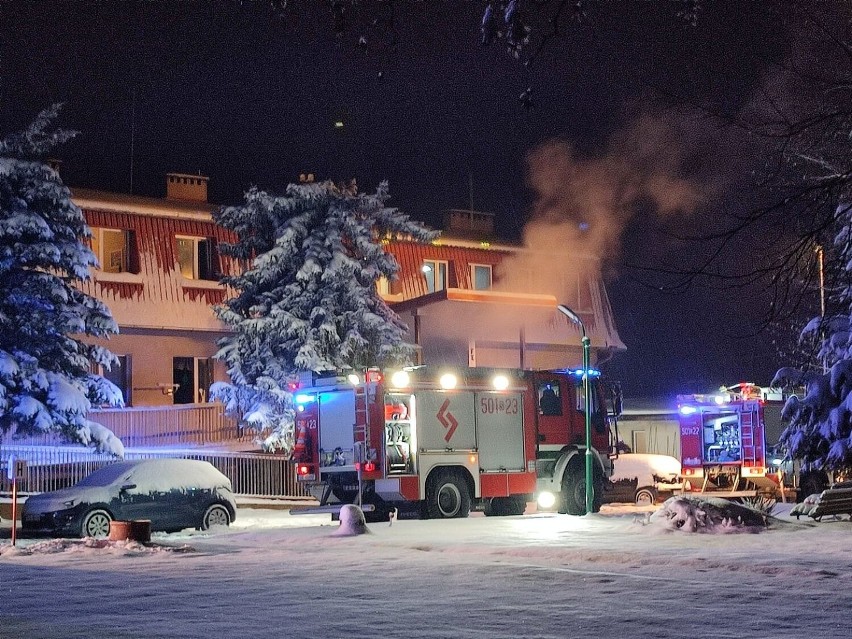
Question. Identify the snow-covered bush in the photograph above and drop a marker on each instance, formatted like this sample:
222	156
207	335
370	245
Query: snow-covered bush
307	300
708	515
45	379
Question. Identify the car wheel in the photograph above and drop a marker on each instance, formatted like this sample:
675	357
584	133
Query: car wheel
215	515
96	524
646	497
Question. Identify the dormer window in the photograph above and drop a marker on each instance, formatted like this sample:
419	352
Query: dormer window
115	250
480	277
197	258
435	272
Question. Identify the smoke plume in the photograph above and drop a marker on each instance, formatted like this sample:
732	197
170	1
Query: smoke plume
583	204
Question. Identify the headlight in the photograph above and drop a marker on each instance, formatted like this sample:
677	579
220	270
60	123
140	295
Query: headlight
546	499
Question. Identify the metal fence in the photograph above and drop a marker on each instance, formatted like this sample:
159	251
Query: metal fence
53	467
170	425
183	424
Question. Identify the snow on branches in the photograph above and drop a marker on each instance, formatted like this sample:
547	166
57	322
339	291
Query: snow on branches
307	300
45	379
819	430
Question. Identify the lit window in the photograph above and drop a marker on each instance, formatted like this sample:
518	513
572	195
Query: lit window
383	286
480	276
196	258
111	248
435	272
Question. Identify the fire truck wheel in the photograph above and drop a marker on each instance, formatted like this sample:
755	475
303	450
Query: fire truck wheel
447	496
501	506
646	497
574	489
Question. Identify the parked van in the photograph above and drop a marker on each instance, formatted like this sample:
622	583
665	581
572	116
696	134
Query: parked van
643	479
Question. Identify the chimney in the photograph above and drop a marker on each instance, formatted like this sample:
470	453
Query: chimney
470	224
188	188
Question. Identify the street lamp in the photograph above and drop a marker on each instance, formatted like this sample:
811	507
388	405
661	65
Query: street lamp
571	315
821	269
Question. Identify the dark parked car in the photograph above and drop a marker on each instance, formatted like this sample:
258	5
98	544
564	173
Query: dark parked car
173	493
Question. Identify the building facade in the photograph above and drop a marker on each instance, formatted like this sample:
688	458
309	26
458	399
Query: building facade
467	300
159	276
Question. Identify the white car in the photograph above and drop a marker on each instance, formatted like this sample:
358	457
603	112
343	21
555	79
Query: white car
643	478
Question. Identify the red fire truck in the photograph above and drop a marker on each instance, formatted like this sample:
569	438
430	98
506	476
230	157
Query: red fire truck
438	444
722	442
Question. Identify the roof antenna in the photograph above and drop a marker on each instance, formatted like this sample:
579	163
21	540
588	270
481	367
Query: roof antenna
132	134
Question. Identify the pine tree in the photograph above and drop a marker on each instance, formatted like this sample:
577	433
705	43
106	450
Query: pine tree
45	381
307	300
819	424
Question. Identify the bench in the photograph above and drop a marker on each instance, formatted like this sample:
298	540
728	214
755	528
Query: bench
836	500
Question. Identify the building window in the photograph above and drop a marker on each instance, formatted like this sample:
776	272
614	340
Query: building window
192	377
480	277
383	286
435	272
111	246
119	374
197	258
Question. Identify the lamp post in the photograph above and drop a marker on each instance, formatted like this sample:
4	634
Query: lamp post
821	269
571	315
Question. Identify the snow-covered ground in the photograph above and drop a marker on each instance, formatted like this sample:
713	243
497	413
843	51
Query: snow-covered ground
539	575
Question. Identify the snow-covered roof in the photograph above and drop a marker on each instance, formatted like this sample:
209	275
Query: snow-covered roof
92	200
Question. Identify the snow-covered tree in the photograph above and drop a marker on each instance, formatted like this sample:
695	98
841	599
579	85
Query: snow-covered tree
819	430
307	300
45	379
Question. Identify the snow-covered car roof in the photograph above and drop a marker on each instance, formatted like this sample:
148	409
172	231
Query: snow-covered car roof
158	475
644	466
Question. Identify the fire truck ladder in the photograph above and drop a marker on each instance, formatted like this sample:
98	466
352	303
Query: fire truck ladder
362	436
749	450
747	438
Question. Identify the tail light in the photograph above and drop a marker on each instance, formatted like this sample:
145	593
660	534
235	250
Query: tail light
305	472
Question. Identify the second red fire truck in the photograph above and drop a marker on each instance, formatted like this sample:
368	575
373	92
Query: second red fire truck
437	444
723	445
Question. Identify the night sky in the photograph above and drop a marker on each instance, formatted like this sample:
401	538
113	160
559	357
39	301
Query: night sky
237	93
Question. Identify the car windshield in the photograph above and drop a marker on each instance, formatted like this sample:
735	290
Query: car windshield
107	475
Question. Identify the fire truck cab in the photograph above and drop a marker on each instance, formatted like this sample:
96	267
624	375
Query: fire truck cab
722	440
438	444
